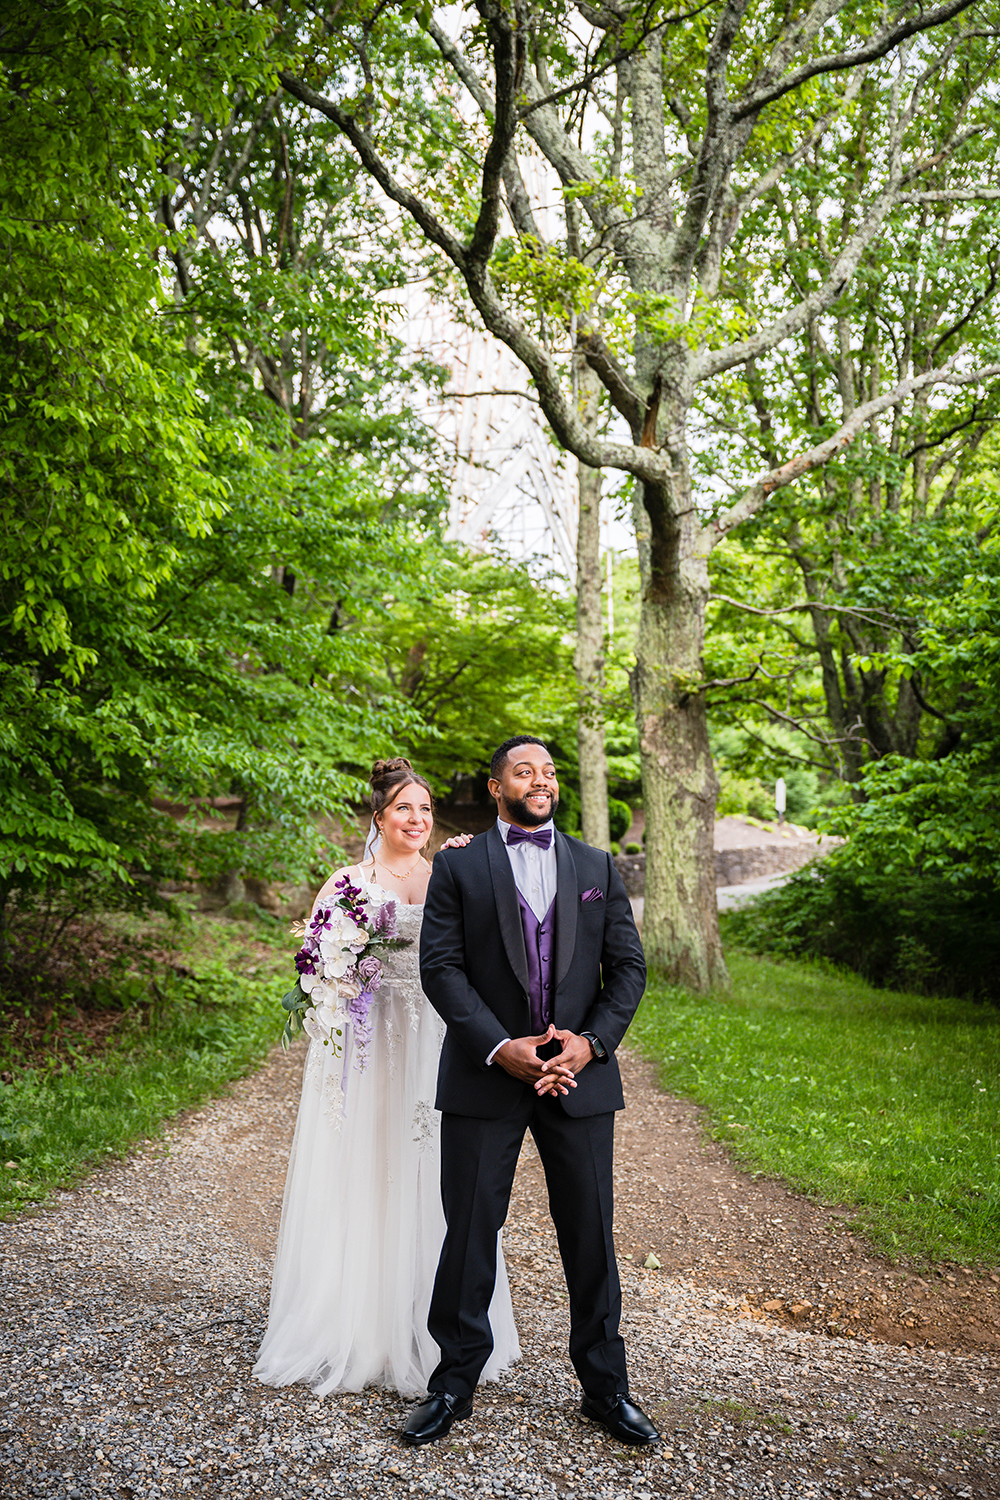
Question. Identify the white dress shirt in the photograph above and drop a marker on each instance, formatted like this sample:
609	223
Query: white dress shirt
534	869
534	873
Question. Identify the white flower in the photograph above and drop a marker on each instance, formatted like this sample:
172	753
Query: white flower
342	931
336	963
322	1022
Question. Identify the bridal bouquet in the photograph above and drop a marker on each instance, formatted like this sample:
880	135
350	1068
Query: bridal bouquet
339	970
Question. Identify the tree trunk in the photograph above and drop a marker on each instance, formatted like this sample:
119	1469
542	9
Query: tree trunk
681	923
588	658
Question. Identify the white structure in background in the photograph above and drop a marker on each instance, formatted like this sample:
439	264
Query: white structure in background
508	480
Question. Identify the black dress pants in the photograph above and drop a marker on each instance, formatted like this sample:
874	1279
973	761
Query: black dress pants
478	1158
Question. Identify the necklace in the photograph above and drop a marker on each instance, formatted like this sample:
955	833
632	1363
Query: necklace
395	874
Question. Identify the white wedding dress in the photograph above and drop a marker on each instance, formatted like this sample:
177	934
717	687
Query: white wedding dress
362	1224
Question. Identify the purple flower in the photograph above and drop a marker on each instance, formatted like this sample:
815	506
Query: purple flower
359	1009
385	921
321	920
307	958
369	972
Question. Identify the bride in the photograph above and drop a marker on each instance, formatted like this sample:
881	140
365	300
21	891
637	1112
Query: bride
361	1223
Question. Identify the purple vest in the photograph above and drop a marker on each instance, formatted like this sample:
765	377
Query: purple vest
539	945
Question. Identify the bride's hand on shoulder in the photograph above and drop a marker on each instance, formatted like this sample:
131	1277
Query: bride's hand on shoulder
457	841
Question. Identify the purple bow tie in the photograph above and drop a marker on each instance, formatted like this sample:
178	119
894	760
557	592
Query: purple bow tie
540	837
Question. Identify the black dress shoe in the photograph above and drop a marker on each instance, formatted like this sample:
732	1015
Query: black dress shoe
431	1418
621	1417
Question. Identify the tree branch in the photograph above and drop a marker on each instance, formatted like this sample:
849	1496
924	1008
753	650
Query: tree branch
952	195
508	66
842	61
615	380
809	605
418	210
809	308
647	464
755	495
817	739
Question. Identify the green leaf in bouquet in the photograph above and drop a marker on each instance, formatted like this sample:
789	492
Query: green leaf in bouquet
294	998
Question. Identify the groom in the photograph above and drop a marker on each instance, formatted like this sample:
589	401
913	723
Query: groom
530	954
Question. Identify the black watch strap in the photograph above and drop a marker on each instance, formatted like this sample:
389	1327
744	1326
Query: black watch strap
596	1046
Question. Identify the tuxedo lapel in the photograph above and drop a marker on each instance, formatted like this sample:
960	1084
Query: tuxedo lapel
508	910
566	904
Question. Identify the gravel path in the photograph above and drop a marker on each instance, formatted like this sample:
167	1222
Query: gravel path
135	1305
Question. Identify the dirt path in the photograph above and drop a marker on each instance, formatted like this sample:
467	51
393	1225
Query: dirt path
761	1244
777	1354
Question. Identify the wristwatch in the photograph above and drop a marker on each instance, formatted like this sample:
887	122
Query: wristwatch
597	1047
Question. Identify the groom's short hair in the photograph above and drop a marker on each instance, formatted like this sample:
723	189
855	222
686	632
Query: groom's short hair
500	754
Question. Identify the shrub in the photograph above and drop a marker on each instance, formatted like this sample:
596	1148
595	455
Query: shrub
906	930
633	848
619	817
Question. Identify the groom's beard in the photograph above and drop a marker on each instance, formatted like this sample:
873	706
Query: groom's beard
518	811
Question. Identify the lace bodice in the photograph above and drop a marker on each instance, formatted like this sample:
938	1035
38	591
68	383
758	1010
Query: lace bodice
402	965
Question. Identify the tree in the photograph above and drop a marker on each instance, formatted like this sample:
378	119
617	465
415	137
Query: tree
149	646
828	585
669	131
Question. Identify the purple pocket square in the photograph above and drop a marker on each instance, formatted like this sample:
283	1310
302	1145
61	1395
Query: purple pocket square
594	894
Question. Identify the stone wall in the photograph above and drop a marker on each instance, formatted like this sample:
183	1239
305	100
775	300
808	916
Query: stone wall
735	866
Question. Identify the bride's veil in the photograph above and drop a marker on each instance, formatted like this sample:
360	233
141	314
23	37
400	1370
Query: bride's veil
373	843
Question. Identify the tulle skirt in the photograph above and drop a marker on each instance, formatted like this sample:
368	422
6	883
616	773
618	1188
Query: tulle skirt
362	1224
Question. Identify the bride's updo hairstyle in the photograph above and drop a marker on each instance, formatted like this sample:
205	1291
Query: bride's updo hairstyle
386	779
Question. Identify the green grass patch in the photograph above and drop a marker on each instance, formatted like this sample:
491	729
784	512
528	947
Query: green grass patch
888	1103
215	1021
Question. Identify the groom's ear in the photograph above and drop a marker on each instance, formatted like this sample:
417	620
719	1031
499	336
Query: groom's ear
493	786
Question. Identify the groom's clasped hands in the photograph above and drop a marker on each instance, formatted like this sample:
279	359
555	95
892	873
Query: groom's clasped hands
553	1075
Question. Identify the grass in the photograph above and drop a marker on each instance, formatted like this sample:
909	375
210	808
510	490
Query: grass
888	1103
77	1107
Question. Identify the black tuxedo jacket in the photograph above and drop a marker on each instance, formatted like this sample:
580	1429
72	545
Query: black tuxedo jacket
474	971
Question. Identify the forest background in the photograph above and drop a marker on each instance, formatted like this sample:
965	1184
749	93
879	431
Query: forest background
223	577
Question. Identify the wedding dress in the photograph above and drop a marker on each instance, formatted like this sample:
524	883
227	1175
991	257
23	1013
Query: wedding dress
361	1223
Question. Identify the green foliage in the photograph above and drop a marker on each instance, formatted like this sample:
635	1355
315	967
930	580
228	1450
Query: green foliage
619	817
62	1118
895	927
838	577
479	651
748	763
178	560
912	896
570	810
882	1100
